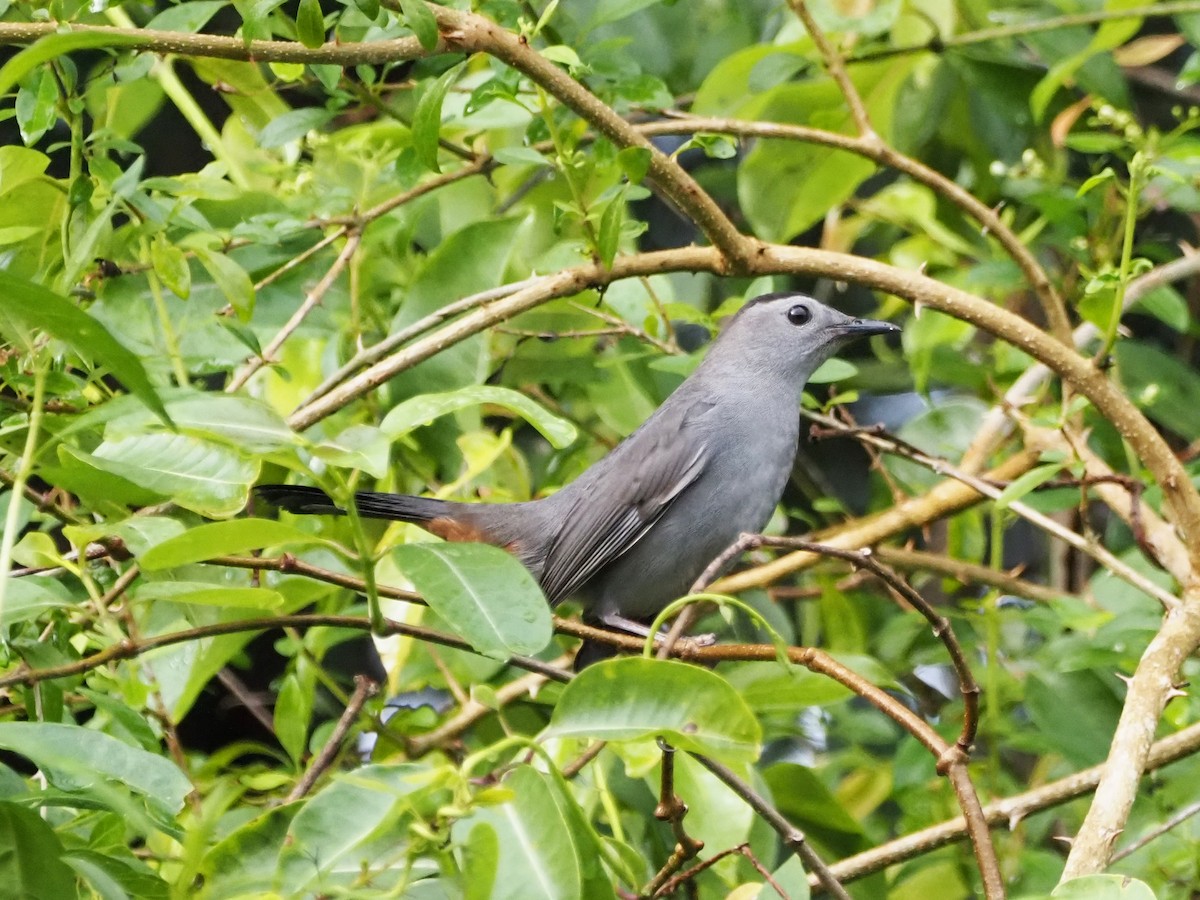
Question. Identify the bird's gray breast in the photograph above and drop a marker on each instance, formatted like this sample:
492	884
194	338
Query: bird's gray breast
750	444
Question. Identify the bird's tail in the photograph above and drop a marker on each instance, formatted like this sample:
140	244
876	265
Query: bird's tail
373	505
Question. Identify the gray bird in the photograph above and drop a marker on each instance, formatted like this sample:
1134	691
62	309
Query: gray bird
635	530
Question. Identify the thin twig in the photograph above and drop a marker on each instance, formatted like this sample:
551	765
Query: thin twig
378	351
131	649
252	704
43	502
690	874
1178	818
939	42
671	809
997	423
364	689
864	559
301	257
836	67
943	500
967	572
1092	548
575	766
792	837
470	32
885	155
311	301
1007	812
472	711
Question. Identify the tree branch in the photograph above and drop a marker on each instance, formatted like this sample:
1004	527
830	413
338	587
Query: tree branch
1007	812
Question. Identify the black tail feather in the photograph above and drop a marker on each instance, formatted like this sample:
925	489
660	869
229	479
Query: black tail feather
374	505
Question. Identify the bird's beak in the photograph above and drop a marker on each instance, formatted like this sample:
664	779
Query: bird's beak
858	328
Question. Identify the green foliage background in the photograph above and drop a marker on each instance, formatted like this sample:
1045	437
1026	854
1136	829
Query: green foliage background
170	213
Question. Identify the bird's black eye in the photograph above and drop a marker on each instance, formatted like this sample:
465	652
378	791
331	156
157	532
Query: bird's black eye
799	314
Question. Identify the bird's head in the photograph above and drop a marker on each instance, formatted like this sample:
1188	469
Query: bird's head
788	335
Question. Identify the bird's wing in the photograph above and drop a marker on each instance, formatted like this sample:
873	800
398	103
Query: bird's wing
614	512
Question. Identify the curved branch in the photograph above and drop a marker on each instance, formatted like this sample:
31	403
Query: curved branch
1022	29
224	47
944	499
463	32
886	155
542	290
1007	812
469	32
1180	494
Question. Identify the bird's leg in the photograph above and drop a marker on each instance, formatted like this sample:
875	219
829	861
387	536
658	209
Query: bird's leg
630	626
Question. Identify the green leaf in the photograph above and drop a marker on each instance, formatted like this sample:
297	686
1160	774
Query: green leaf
1162	385
358	447
791	878
419	17
786	187
19	165
246	423
26	307
1030	481
110	876
310	24
538	844
208	594
31	862
776	69
485	594
1110	35
564	55
243	863
833	370
1105	174
122	718
222	539
768	688
608	11
293	710
472	259
1166	305
631	699
715	146
1103	887
26	599
426	408
76	759
207	478
352	821
608	241
52	46
231	279
189	17
520	156
634	162
369	8
171	266
139	533
879	17
427	119
36	108
804	799
18	233
293	125
1093	698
